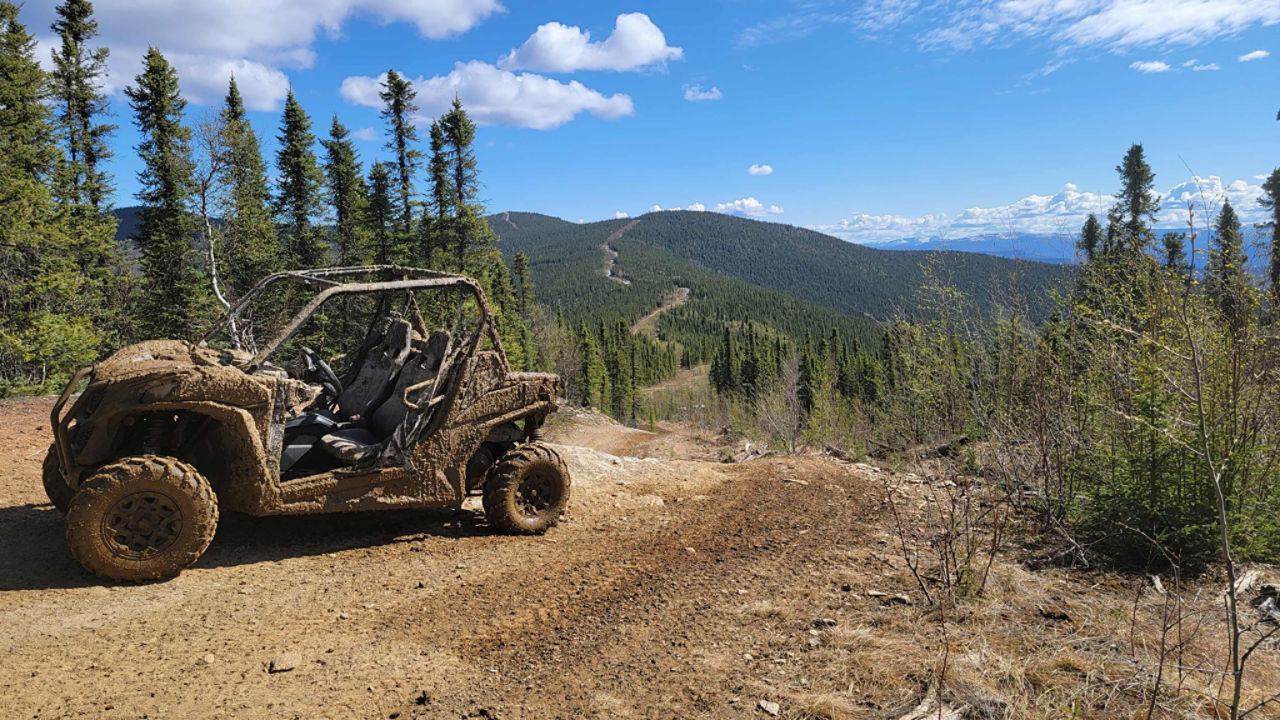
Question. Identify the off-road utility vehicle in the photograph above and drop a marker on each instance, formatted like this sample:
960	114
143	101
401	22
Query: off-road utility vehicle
168	434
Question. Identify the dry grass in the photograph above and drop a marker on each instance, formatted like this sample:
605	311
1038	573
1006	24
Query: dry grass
1052	643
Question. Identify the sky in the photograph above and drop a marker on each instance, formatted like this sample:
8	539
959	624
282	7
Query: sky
867	119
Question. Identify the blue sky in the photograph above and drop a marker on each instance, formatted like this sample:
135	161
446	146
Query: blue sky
875	118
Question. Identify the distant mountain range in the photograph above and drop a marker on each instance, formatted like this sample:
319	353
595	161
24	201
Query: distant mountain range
1022	246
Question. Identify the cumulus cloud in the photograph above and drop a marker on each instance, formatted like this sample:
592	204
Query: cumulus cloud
497	97
634	43
1150	66
1060	213
695	93
655	208
696	207
619	215
760	170
1255	55
746	207
257	41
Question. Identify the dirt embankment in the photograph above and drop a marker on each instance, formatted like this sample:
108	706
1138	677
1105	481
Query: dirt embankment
677	587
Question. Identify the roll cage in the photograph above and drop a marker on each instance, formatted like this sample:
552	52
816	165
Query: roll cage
396	279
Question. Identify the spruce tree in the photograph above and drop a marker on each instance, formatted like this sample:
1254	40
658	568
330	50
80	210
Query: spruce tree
1174	253
175	296
252	249
1271	200
1225	282
380	215
1135	206
459	134
1091	239
398	109
79	71
42	337
441	230
298	193
347	192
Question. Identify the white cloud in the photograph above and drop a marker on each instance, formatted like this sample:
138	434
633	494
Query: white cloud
619	215
655	208
1209	66
1255	55
1150	66
760	170
497	97
1062	213
1110	24
696	207
1190	62
695	93
366	134
207	41
634	43
746	207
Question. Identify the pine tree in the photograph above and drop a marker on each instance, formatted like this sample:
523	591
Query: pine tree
346	196
175	296
252	250
1091	239
1271	200
1225	281
82	185
380	215
41	336
591	374
1174	253
1136	206
298	194
79	71
398	96
441	230
524	282
459	134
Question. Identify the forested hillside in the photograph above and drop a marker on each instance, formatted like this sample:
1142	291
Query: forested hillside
568	263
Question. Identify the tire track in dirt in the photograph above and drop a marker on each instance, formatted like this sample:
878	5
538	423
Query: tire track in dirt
649	323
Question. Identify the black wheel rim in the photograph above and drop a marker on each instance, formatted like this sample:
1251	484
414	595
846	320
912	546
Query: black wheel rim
537	492
142	524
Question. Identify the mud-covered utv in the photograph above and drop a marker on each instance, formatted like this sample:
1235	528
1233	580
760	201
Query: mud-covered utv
167	434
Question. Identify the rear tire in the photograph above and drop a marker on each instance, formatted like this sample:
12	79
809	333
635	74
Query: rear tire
527	490
142	518
55	483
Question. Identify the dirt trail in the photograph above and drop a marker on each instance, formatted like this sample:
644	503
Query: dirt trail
676	587
611	255
628	609
649	323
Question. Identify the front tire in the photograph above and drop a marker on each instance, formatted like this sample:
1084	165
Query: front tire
527	491
142	518
55	483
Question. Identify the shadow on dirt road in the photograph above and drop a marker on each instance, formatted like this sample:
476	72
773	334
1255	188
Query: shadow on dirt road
44	562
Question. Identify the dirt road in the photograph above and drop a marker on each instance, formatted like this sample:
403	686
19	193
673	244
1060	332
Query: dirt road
633	607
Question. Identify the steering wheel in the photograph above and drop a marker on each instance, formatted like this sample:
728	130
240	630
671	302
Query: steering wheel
316	366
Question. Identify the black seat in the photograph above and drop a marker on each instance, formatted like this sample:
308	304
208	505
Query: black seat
364	439
381	364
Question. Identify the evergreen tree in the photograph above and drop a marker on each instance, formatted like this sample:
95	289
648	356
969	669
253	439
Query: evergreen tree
1136	206
398	96
1225	282
346	195
84	184
441	229
252	250
1271	200
298	195
174	292
1091	239
81	184
380	215
459	134
41	336
524	302
591	375
1174	253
